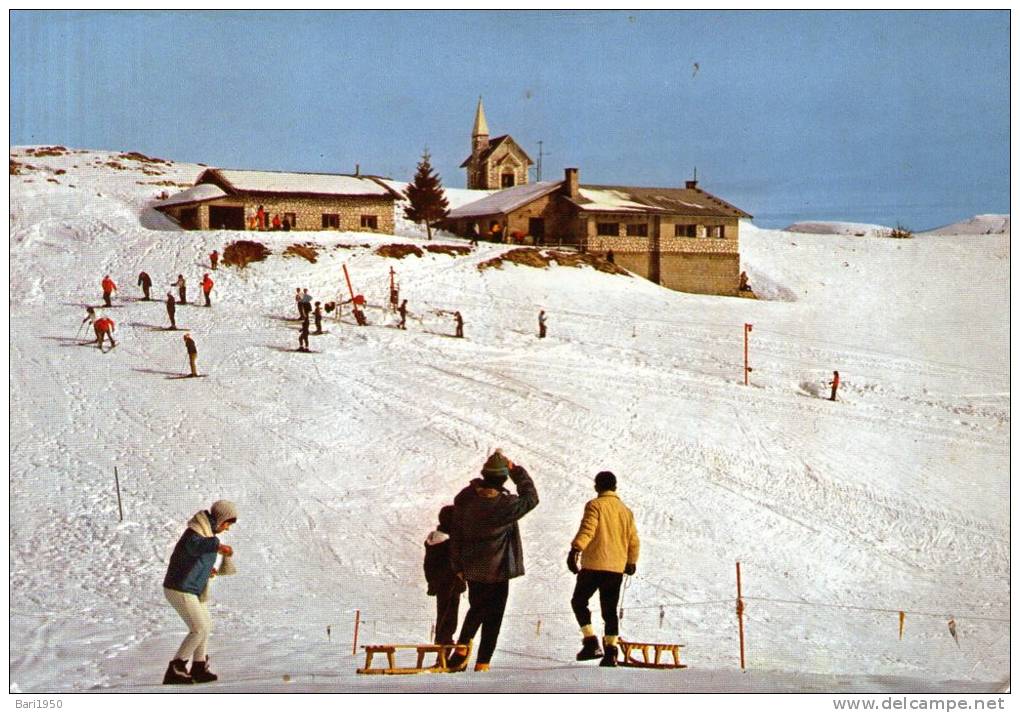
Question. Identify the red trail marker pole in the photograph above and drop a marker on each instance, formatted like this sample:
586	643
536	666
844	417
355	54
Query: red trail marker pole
747	369
348	277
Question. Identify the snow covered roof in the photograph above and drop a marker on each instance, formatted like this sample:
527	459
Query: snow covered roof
626	199
282	182
505	201
195	194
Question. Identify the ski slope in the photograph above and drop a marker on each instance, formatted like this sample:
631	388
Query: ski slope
896	497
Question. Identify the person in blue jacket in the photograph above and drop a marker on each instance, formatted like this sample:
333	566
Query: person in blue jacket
186	586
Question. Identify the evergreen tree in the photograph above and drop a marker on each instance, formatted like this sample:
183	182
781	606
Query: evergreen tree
425	193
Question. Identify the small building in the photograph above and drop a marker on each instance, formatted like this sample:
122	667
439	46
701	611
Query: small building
228	199
494	163
681	238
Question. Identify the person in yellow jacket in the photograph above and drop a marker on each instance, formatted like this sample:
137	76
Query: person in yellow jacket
607	544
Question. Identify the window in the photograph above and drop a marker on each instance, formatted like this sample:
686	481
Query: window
370	221
684	231
290	219
331	220
608	228
638	229
508	180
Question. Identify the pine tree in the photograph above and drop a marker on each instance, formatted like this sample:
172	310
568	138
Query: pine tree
425	193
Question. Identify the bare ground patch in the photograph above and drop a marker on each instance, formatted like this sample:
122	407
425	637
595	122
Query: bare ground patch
398	251
534	257
242	252
453	250
306	250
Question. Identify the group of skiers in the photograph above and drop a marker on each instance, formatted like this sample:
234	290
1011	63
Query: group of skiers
477	546
104	327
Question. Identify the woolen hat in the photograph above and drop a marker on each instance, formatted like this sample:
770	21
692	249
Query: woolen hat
223	510
445	518
605	481
496	469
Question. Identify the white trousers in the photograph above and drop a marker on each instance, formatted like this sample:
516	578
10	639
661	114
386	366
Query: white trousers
196	616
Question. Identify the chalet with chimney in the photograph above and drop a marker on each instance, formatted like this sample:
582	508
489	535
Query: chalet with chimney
494	163
682	238
228	199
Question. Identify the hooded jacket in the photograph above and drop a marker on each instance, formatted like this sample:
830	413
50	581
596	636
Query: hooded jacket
485	540
439	572
194	557
608	537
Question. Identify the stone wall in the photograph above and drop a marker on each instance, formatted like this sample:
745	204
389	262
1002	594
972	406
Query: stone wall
701	273
308	211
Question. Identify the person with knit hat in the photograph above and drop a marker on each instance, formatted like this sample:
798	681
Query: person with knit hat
607	544
486	550
443	582
186	587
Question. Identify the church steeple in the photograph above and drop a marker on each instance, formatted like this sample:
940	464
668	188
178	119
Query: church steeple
480	131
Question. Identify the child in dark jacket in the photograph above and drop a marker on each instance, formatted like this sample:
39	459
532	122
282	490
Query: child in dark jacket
443	582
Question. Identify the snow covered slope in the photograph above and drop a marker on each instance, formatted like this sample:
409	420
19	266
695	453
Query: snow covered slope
829	227
986	224
841	514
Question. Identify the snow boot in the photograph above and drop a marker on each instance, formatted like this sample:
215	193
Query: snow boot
200	672
458	660
590	649
609	658
177	673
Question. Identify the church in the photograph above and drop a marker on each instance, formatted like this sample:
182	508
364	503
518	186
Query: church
681	237
494	163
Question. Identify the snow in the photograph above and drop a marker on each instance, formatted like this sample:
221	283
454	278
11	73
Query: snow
321	183
505	200
201	192
839	228
841	514
987	224
609	200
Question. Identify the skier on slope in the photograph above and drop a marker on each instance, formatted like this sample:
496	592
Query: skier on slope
403	315
486	550
834	384
303	336
460	325
104	327
214	258
171	309
189	344
145	282
607	544
186	587
182	289
443	583
541	324
207	285
90	317
318	317
108	289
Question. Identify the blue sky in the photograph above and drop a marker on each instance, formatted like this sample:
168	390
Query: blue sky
879	117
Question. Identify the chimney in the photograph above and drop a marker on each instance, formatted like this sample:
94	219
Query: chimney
357	169
691	184
571	180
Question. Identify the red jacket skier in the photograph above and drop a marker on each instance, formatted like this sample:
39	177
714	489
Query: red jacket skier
207	285
214	258
835	385
108	288
104	327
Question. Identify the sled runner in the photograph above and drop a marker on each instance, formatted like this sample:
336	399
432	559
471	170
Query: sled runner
442	652
629	649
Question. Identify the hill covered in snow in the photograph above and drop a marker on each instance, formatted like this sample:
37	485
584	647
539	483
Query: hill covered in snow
986	224
893	498
828	227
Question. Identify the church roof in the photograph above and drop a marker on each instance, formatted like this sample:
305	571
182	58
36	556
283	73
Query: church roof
494	144
481	127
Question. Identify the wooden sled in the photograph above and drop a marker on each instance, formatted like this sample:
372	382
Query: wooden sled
441	651
651	655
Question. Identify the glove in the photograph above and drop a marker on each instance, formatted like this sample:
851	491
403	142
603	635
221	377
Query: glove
630	569
572	561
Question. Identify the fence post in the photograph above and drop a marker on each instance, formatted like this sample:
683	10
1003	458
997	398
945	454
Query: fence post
740	618
747	369
357	623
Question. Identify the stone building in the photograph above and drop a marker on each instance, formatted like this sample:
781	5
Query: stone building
494	163
227	199
682	238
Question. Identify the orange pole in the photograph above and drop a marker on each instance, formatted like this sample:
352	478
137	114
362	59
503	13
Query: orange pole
740	618
349	283
747	369
357	620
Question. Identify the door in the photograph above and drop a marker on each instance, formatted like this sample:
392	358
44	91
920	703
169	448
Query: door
536	229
